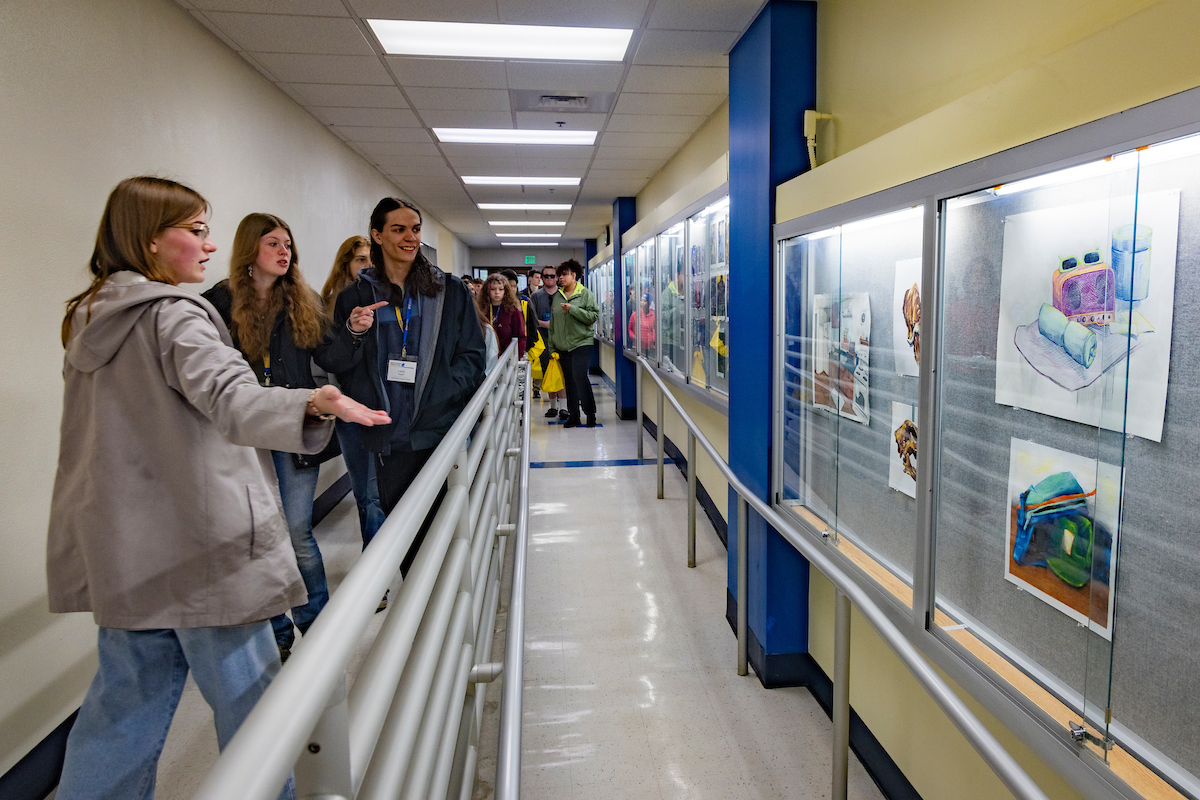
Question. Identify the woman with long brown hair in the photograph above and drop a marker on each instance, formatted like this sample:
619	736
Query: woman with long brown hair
352	258
163	522
276	320
498	301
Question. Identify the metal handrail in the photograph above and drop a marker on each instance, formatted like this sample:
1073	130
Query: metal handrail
339	742
988	747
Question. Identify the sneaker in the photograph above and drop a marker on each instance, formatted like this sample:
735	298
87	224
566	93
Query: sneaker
591	423
536	394
571	423
552	413
383	602
562	414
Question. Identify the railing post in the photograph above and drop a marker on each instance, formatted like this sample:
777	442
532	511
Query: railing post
841	693
662	436
640	449
743	632
323	768
691	469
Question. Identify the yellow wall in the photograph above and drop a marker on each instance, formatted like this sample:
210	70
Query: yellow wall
93	91
988	76
712	423
708	144
608	361
920	738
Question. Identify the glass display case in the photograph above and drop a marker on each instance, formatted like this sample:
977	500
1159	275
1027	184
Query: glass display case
671	312
629	262
708	267
1056	552
641	312
851	345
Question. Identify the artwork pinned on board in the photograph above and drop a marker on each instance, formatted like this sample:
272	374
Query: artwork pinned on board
902	466
1082	290
906	317
1062	528
842	355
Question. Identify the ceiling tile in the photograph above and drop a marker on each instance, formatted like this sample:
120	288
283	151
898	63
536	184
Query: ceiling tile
704	15
465	165
440	10
624	153
631	139
609	14
694	104
548	120
530	152
559	77
397	117
293	68
277	33
467	119
677	80
652	123
456	72
321	8
597	176
554	166
365	133
514	194
685	48
651	164
418	165
480	151
397	149
329	94
446	99
203	19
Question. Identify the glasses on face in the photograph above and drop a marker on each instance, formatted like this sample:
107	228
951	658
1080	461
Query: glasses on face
201	230
549	277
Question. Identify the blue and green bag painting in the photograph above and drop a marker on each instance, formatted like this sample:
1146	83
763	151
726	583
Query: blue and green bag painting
1055	531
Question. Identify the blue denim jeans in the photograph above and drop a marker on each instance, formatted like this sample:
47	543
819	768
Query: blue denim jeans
360	466
113	748
298	487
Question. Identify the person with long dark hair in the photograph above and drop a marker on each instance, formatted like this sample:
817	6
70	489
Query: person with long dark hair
406	336
165	522
276	320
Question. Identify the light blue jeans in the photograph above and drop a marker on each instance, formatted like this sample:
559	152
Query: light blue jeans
360	466
297	488
113	748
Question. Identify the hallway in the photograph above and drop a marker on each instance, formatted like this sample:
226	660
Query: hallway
631	689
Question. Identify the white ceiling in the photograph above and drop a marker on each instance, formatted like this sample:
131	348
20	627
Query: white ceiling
322	53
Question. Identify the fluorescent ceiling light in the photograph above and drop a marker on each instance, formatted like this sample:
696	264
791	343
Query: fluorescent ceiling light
525	206
527	223
513	136
530	235
530	244
476	40
485	180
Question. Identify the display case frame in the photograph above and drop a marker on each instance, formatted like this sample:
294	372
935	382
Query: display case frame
1081	763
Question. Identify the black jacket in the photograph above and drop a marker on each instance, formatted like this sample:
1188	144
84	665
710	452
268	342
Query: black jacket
291	366
449	365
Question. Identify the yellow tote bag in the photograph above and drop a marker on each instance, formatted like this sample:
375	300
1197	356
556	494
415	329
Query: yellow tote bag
552	381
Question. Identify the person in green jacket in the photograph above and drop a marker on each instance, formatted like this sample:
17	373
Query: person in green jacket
573	311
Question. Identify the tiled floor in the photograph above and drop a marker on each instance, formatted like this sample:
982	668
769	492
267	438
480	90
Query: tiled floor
631	689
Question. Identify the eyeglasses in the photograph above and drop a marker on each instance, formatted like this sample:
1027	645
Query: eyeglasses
202	232
549	277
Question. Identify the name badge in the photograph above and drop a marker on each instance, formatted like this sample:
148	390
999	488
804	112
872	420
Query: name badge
402	370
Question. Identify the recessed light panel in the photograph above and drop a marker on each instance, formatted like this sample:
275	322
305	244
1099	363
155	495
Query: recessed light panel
513	136
525	206
530	244
531	235
478	40
490	180
527	223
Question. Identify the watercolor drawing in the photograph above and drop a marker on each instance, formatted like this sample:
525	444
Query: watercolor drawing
902	465
906	317
1062	529
1086	305
842	355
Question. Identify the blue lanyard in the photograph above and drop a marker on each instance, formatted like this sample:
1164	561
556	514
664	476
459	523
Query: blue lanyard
404	327
495	314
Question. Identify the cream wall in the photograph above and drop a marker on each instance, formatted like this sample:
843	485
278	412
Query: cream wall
712	423
918	87
93	91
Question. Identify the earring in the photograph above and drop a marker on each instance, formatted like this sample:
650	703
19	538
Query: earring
250	270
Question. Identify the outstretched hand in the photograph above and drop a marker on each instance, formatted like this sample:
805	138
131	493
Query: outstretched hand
362	317
330	400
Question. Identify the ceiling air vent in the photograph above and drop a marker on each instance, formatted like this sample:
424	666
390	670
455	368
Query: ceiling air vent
562	102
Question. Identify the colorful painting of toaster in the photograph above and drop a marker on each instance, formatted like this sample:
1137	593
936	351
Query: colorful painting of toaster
1086	304
842	355
1061	532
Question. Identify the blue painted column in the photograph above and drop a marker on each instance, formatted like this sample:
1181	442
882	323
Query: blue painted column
772	80
589	252
624	215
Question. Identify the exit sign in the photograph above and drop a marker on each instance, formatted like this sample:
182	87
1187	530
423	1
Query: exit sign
530	259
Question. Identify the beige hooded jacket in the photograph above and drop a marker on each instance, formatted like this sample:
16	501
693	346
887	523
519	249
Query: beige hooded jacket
164	515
